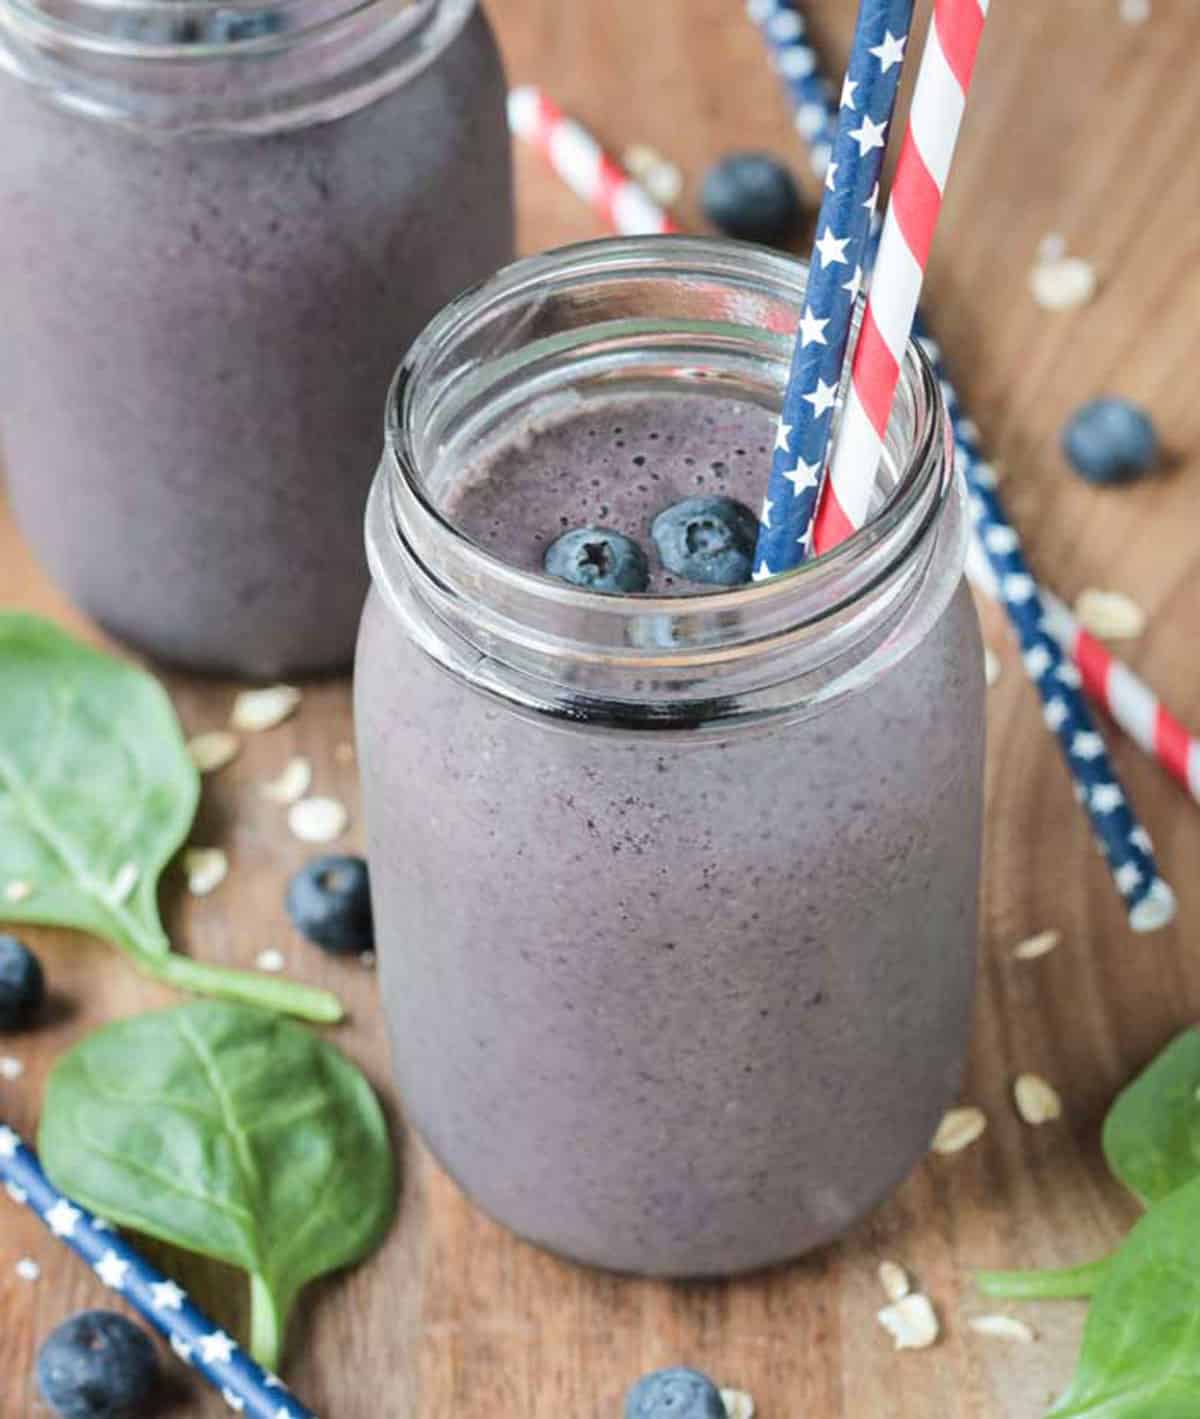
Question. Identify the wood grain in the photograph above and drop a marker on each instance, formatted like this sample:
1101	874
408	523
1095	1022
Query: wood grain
1079	125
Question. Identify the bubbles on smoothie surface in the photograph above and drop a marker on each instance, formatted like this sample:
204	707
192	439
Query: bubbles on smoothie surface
575	470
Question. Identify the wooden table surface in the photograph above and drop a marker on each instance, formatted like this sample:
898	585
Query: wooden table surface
1081	125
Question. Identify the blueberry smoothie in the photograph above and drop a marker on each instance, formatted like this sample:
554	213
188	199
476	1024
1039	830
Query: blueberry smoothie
674	878
209	266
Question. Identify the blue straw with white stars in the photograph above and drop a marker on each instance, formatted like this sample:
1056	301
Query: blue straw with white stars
243	1384
799	67
835	276
1127	847
1125	843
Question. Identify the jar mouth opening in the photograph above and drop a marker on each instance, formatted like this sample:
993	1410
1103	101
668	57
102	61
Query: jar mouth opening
900	520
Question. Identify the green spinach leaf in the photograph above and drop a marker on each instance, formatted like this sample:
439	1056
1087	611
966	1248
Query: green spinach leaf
230	1132
94	781
97	793
1141	1345
1066	1283
1152	1145
1152	1132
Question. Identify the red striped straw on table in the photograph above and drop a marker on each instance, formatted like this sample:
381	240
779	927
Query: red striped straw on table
584	166
1129	700
1126	698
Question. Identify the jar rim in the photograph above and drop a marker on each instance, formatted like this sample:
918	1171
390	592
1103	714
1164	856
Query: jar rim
169	66
712	256
529	617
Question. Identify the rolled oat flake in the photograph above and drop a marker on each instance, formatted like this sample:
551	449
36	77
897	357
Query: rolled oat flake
1002	1328
911	1322
206	869
738	1404
318	820
213	749
959	1128
1037	1101
256	710
1039	945
292	784
894	1280
1110	614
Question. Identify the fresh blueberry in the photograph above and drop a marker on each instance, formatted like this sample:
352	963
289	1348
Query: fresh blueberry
707	539
753	197
599	558
329	901
22	985
675	1394
1111	441
97	1365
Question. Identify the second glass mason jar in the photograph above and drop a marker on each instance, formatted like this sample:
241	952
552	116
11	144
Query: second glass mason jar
222	225
675	893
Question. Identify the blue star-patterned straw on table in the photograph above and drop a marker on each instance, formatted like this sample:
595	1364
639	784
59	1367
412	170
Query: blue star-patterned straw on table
835	275
800	69
243	1384
1125	843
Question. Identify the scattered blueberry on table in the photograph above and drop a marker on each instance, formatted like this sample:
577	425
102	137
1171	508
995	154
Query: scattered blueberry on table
753	197
1111	441
97	1365
708	539
22	985
329	902
598	558
675	1394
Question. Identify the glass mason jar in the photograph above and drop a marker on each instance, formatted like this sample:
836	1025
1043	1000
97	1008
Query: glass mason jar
675	895
223	223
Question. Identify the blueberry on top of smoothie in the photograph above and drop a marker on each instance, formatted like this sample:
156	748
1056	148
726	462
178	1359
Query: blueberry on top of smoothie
752	196
598	558
97	1365
707	539
22	985
1110	441
675	1394
329	902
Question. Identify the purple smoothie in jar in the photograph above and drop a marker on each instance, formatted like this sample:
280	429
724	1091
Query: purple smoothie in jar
223	225
675	892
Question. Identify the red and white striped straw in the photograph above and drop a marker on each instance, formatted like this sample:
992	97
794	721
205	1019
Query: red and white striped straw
584	165
1129	700
1124	696
939	101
